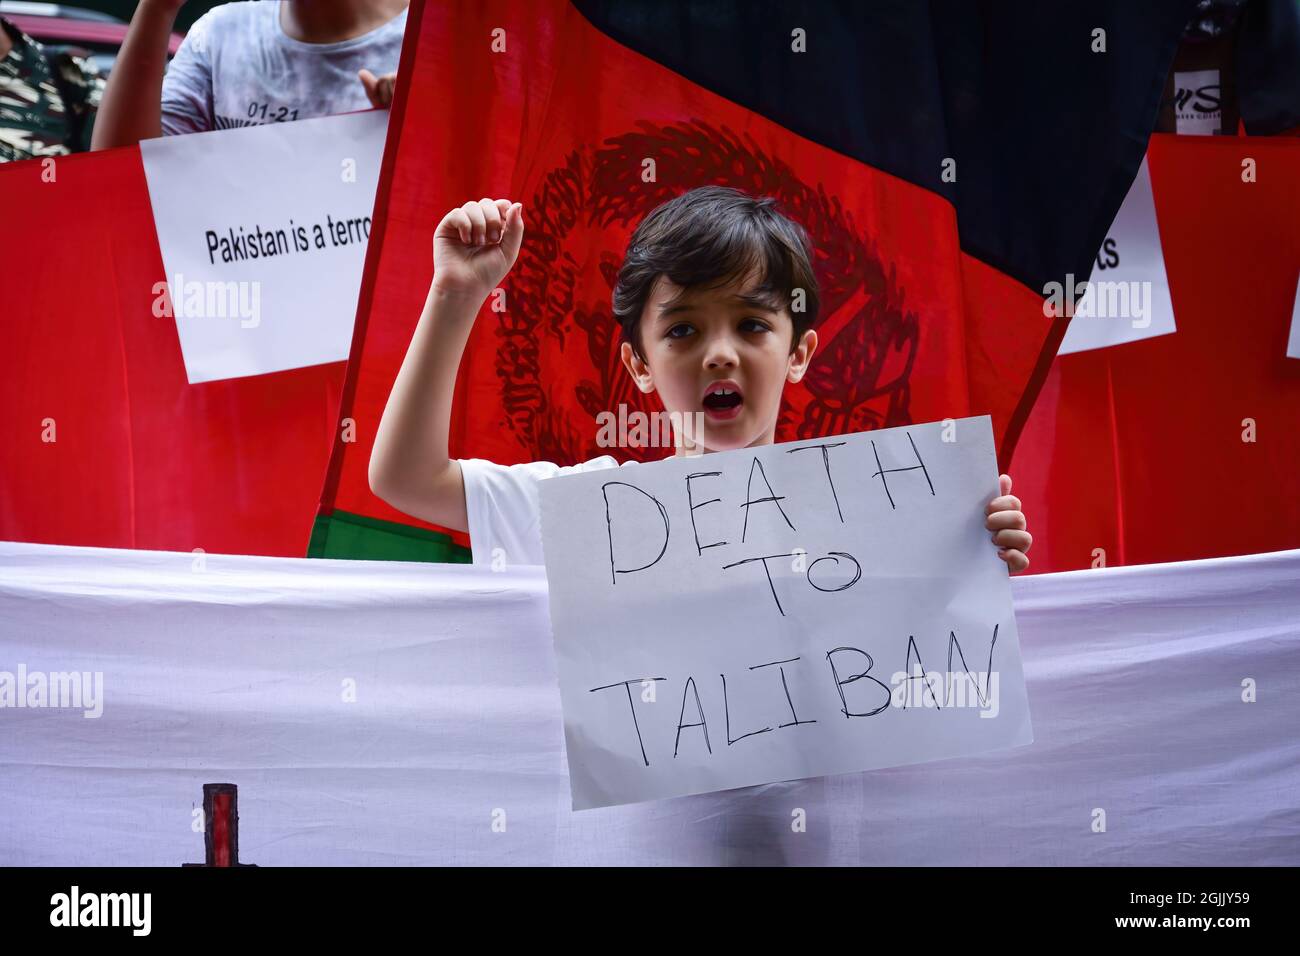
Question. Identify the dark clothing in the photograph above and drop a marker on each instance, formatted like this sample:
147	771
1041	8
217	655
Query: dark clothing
47	102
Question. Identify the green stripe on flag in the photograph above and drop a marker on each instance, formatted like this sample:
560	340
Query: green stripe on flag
356	537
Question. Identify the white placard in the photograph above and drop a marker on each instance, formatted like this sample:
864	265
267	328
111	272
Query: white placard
1293	341
1127	298
752	616
1198	103
263	231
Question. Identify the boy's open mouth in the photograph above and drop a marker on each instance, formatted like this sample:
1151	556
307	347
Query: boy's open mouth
723	400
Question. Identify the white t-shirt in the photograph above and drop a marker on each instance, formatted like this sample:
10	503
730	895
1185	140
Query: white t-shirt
503	506
237	67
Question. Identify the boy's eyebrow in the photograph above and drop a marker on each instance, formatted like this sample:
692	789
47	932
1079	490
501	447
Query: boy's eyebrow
673	308
754	300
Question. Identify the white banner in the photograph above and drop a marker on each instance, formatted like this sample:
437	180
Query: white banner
1127	298
263	231
783	611
393	713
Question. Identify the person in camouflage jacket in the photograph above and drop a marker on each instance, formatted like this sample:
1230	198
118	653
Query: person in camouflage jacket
47	101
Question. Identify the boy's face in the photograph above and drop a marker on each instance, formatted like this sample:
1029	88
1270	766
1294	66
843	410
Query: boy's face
709	337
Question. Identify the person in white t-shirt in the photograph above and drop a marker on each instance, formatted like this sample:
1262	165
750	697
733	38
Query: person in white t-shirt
704	299
249	63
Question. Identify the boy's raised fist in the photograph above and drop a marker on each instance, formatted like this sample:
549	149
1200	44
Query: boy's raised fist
475	246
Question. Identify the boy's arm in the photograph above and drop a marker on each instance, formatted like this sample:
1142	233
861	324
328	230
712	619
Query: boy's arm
409	466
474	247
131	109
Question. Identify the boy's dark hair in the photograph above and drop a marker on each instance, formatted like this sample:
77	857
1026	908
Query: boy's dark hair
708	237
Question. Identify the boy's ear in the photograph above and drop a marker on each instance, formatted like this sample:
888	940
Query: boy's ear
638	369
802	356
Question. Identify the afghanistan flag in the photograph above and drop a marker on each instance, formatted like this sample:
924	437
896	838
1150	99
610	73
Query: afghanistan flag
947	159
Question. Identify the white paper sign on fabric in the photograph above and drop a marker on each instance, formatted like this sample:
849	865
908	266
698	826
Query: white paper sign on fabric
1127	298
1293	340
780	612
263	232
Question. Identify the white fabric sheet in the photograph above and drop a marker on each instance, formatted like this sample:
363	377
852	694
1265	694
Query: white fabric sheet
234	674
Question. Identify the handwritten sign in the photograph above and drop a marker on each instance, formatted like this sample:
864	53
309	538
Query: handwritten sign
263	232
780	612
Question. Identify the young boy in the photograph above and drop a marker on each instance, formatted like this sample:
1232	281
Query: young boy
706	300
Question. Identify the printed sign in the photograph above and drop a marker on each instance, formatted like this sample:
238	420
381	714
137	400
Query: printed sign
263	232
1293	340
1127	298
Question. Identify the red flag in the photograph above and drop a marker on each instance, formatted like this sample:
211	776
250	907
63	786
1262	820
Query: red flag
104	441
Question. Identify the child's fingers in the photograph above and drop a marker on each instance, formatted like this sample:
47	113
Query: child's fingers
1005	503
1016	560
514	234
1006	519
478	224
491	219
1011	538
1004	484
371	84
485	221
454	225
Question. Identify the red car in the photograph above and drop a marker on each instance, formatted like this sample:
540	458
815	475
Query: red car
87	33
